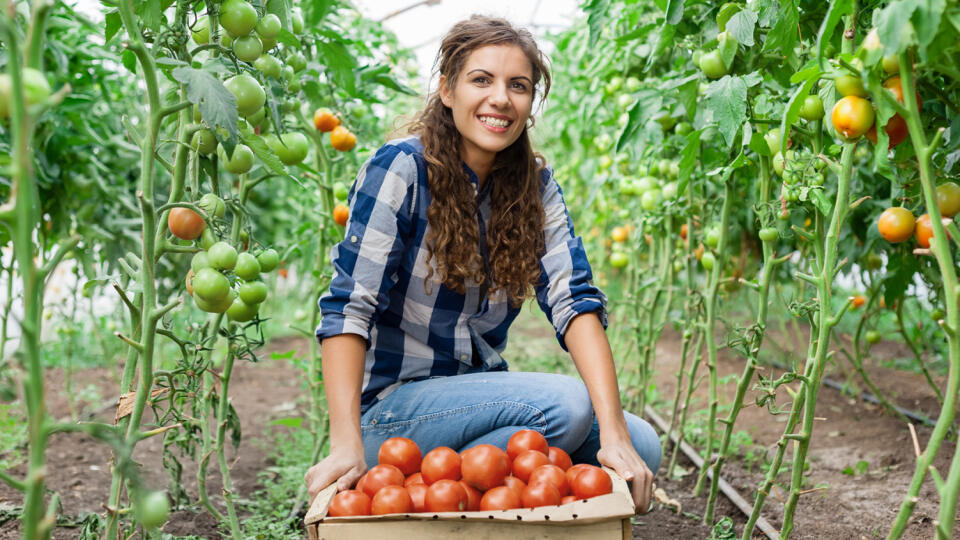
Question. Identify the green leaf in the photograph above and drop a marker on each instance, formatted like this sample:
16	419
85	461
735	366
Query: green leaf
688	159
792	111
129	60
340	64
741	25
280	8
648	103
726	99
596	12
838	9
819	200
217	104
112	25
288	38
151	14
94	284
674	12
293	422
783	35
900	270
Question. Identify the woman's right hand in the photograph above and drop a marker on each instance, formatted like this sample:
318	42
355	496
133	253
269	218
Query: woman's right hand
344	466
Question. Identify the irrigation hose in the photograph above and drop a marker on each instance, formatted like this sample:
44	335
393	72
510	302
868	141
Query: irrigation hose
729	491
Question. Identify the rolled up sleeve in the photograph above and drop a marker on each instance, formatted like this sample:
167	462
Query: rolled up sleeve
566	287
365	262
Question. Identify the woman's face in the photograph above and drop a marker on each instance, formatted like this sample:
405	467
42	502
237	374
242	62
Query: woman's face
491	102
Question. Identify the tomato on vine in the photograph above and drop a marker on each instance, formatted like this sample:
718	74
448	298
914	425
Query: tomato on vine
268	259
712	65
240	162
237	17
269	26
812	108
253	292
852	116
290	147
341	213
222	256
896	224
948	199
850	85
185	224
324	120
924	231
210	285
342	139
250	95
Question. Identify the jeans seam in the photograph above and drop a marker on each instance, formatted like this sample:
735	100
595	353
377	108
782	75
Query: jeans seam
541	421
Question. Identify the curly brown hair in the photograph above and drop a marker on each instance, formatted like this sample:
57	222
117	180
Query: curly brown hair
514	238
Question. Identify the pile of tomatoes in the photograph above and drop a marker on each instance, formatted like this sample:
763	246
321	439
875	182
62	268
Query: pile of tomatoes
527	475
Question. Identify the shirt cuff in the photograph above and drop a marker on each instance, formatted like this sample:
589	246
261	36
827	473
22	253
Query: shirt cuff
585	305
335	324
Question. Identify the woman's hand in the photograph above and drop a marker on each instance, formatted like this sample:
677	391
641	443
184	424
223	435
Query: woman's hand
620	455
343	466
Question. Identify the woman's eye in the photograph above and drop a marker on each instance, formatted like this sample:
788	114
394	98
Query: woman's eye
480	79
520	86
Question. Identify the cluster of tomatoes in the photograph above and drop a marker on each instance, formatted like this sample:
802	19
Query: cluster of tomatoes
898	224
528	475
340	139
208	280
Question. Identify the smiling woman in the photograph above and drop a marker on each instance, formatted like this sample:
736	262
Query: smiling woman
449	231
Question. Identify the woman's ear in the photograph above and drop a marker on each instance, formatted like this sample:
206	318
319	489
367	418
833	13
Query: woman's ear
446	96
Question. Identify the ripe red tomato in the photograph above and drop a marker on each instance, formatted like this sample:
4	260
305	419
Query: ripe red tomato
568	499
418	494
515	484
592	482
446	496
896	224
351	502
560	458
526	439
525	463
551	474
391	499
896	129
484	466
924	231
413	479
402	453
439	463
500	498
185	224
541	494
473	497
573	471
380	476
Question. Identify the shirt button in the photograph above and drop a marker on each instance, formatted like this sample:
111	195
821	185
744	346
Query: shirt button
353	239
463	357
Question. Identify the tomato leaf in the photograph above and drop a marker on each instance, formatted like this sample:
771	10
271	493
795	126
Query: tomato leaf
688	159
217	104
596	12
900	271
648	103
726	99
113	24
741	25
674	12
783	35
280	8
340	64
792	112
838	9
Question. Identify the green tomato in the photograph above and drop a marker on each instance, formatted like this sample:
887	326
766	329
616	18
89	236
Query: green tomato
207	239
268	43
874	261
237	17
205	142
250	95
937	314
201	31
212	205
153	509
226	40
778	163
812	108
708	260
247	267
670	190
269	66
219	306
650	199
891	64
297	61
712	65
199	261
210	285
340	191
769	234
645	184
253	292
697	56
873	337
633	84
774	139
683	128
296	20
290	147
614	84
257	118
240	162
625	100
35	86
948	199
247	48
603	142
848	85
269	26
222	256
619	259
712	238
723	15
268	259
293	86
240	311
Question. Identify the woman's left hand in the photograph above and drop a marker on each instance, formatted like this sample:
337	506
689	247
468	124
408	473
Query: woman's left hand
621	456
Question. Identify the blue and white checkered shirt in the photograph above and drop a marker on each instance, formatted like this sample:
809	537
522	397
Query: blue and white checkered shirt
377	290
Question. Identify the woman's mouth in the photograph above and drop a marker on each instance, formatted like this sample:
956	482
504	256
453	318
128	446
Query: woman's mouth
497	125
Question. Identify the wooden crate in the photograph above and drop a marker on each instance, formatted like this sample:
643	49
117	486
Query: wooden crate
601	518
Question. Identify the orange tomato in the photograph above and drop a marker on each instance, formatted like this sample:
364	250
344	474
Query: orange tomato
526	439
683	231
324	120
859	300
619	234
342	139
896	224
852	116
340	214
924	231
185	224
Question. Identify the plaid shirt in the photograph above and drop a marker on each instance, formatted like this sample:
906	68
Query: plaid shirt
377	290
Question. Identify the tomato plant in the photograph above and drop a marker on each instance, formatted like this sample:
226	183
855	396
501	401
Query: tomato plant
185	223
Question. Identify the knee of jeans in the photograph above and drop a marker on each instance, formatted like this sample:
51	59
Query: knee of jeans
574	416
645	441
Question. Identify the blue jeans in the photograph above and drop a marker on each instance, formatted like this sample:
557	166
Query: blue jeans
466	410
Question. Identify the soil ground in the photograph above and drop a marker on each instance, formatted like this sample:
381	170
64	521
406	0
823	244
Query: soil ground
839	505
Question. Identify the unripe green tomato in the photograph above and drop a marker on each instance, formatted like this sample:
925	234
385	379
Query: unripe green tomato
849	85
210	285
201	31
237	17
253	292
204	142
257	118
268	43
240	162
153	509
789	195
297	61
296	20
769	234
294	86
784	215
712	65
712	238
708	260
873	337
247	48
774	140
619	259
937	314
340	191
199	261
683	128
790	179
250	95
36	89
219	306
633	84
222	256
948	199
674	170
645	184
603	141
269	66
874	261
670	191
212	205
812	108
226	40
269	26
613	85
818	179
624	101
664	167
778	163
247	267
240	311
650	199
677	266
207	239
606	162
629	188
290	147
891	64
268	259
697	56
723	15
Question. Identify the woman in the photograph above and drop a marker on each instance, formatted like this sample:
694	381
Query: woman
449	231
